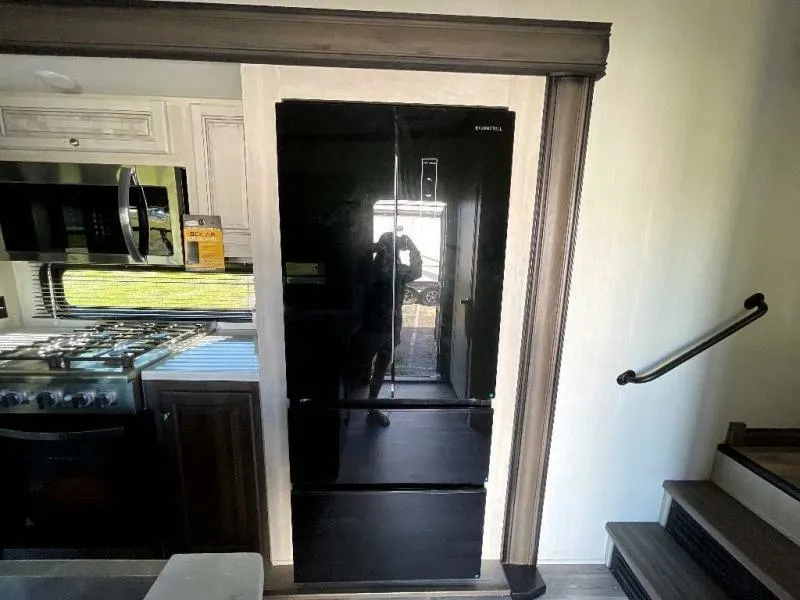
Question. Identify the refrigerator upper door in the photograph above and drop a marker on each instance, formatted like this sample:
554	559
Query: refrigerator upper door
393	230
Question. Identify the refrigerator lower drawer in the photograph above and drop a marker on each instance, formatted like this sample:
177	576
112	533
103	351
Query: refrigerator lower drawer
413	446
370	535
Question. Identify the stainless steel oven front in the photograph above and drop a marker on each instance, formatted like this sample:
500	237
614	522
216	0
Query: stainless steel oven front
92	213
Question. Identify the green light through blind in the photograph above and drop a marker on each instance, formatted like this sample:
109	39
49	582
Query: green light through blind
86	288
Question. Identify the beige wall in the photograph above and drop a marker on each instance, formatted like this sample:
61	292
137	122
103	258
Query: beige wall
687	209
689	204
757	379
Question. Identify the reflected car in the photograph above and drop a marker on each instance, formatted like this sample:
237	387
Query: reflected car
422	292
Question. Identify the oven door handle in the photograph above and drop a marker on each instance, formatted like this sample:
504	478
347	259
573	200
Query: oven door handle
127	176
61	436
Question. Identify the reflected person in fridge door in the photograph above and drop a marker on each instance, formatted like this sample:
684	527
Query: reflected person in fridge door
383	317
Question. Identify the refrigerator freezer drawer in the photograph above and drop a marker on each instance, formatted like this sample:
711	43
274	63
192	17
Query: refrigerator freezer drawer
387	535
415	447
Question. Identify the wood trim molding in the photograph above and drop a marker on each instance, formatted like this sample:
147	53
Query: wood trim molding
297	36
739	434
564	133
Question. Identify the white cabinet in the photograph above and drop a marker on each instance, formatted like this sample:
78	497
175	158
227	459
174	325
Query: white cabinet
83	125
218	134
205	136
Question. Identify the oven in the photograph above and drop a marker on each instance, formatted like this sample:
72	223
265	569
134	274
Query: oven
92	213
80	486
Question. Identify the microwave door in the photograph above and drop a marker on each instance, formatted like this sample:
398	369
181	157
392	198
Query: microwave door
84	213
59	223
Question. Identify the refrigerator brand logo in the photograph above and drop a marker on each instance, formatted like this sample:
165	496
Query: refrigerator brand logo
488	128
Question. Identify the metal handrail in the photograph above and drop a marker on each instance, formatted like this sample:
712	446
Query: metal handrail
754	303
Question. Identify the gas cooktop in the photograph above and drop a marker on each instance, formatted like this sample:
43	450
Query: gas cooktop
89	369
106	347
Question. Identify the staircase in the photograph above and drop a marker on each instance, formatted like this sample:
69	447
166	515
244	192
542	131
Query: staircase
733	537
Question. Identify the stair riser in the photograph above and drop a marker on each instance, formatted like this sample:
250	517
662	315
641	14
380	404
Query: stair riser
626	578
729	574
777	508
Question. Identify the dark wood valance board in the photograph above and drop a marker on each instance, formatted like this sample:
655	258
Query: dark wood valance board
296	36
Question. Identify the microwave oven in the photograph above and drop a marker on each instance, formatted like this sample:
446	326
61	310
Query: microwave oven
92	213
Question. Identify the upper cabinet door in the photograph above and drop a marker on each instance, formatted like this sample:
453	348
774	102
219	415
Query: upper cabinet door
218	132
83	125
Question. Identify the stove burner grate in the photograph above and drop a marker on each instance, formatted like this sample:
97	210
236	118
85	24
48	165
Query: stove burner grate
114	345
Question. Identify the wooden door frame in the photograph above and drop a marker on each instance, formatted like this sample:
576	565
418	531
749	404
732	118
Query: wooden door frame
565	129
572	55
301	36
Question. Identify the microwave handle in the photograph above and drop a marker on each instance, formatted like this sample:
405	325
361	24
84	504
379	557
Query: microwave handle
127	175
61	436
144	220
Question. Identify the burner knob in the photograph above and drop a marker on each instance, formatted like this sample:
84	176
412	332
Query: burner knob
10	399
81	400
48	399
106	399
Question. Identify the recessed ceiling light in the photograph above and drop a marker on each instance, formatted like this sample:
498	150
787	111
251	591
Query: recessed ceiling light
58	82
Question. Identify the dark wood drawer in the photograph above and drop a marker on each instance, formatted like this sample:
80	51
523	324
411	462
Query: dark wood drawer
445	446
387	535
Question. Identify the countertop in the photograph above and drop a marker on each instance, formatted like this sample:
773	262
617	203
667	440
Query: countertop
234	576
216	357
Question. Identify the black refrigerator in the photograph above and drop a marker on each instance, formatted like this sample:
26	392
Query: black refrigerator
393	224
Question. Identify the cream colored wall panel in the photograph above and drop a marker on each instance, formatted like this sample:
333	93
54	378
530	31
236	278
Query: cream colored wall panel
527	101
412	87
124	76
263	86
260	92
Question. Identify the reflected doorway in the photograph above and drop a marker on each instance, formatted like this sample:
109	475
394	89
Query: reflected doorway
422	222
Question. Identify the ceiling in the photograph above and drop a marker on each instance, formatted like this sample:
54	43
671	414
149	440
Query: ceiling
124	76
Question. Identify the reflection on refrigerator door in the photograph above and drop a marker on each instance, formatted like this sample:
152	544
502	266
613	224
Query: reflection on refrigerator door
393	223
